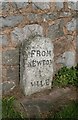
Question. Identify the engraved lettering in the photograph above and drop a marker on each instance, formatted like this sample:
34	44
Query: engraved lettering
44	62
43	53
33	63
50	62
38	63
47	62
38	53
32	84
41	83
33	53
47	82
48	53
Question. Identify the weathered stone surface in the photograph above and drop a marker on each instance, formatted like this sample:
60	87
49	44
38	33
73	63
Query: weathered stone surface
0	5
19	34
3	40
41	5
41	1
0	39
4	73
73	5
77	44
59	4
33	29
44	103
77	24
11	21
30	113
21	4
17	4
33	17
68	59
0	23
13	74
69	38
50	16
71	26
56	30
65	14
36	65
7	86
10	57
5	6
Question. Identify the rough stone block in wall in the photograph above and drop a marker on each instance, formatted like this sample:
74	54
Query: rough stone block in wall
71	25
10	73
6	6
7	86
64	51
10	57
21	4
68	59
77	25
56	30
50	16
41	5
0	5
73	5
65	14
4	73
59	4
34	17
3	40
20	34
33	29
17	36
13	74
11	21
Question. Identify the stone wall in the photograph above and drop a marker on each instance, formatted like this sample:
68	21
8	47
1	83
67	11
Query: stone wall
56	20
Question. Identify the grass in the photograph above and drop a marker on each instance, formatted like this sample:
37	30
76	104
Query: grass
66	77
8	110
68	111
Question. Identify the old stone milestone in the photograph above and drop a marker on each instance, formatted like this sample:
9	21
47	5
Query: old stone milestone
36	65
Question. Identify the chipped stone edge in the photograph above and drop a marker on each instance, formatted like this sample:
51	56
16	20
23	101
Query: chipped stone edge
9	83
